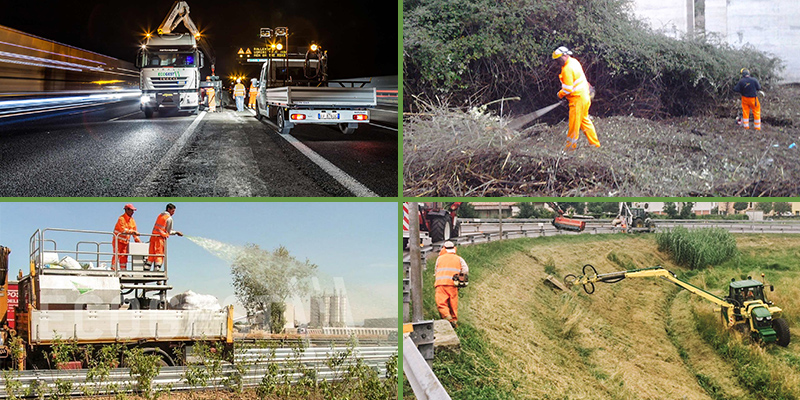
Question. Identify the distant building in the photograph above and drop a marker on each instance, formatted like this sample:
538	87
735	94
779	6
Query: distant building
656	207
494	209
769	26
328	310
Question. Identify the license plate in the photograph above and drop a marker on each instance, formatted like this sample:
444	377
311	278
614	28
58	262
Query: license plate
330	115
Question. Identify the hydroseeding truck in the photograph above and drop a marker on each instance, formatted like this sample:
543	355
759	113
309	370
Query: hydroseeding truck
745	309
77	295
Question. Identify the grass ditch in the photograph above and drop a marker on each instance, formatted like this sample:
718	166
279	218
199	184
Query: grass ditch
640	338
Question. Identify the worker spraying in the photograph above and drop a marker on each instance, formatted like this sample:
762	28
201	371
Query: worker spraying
162	229
451	273
575	88
749	89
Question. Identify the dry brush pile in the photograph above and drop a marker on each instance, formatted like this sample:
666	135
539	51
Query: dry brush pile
454	152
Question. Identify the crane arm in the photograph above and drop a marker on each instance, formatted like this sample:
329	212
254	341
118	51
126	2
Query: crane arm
556	208
590	277
179	13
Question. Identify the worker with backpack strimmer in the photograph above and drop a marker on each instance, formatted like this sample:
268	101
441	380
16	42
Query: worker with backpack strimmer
749	89
451	274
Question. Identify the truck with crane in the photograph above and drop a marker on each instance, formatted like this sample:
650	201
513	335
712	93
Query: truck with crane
293	89
170	64
83	300
745	308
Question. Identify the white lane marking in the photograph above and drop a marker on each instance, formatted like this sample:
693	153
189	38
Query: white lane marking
384	127
147	186
340	176
123	116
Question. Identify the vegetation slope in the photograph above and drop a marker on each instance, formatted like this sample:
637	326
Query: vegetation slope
636	339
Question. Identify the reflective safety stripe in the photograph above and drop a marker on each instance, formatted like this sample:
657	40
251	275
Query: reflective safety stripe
450	278
569	139
456	270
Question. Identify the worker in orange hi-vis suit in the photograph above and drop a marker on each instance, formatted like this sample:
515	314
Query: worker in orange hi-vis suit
575	88
447	265
253	93
750	89
123	230
162	229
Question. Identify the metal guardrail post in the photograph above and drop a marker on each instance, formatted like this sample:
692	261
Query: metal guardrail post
422	336
423	381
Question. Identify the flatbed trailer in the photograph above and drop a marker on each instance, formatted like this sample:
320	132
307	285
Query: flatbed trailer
97	304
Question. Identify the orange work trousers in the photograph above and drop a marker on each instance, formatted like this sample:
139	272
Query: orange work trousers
120	247
447	302
751	103
252	103
579	119
156	247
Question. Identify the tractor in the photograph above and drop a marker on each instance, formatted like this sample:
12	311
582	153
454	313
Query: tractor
745	309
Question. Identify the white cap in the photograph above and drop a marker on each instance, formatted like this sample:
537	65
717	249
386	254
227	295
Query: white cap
449	245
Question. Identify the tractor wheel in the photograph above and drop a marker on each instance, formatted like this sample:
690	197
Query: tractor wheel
782	331
440	230
405	243
638	223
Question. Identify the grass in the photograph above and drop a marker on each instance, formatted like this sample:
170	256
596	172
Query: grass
697	248
639	338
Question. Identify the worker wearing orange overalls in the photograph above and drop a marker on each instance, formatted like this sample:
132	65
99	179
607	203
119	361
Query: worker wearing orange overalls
575	88
749	88
211	94
238	94
447	265
253	93
123	230
161	231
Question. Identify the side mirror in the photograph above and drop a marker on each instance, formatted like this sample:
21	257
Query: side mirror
201	58
140	59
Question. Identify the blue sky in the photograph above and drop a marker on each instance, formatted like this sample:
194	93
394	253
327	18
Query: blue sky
357	242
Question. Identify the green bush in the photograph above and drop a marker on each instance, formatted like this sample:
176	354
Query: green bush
697	248
476	51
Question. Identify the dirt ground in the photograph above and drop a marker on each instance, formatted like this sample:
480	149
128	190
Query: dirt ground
449	152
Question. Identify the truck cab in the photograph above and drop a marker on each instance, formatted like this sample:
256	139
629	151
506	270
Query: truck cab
170	73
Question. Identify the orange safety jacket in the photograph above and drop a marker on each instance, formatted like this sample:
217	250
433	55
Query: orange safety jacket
253	91
160	227
124	227
573	80
238	90
447	265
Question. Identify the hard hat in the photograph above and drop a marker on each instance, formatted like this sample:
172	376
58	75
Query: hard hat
744	72
238	80
560	52
449	245
129	206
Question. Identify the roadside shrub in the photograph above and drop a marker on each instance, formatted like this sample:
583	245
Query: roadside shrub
697	248
477	51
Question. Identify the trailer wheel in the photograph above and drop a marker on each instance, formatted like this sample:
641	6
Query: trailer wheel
782	331
346	129
440	229
282	129
148	112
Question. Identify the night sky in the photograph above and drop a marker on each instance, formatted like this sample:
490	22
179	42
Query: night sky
360	35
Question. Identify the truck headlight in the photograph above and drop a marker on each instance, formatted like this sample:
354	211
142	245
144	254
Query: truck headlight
145	99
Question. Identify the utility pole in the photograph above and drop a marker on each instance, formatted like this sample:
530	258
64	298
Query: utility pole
416	263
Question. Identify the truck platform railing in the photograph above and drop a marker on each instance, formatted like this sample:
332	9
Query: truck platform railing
93	254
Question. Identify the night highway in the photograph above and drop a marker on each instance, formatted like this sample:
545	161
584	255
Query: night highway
98	99
112	150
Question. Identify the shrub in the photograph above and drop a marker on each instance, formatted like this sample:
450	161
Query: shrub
697	248
477	51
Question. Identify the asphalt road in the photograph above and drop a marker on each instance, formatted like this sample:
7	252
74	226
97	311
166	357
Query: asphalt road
112	150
